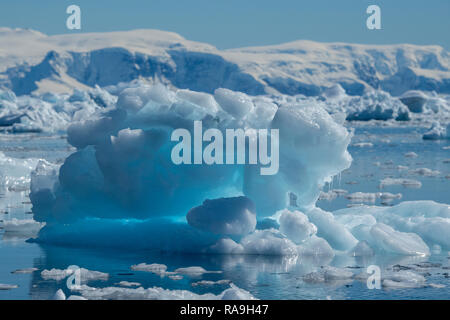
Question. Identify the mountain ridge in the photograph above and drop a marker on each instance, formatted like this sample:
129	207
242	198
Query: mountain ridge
32	62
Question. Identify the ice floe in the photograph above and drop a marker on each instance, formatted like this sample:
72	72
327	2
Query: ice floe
24	271
157	293
22	227
8	286
156	268
85	275
408	183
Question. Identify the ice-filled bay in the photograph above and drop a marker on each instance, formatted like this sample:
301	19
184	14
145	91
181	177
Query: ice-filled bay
109	203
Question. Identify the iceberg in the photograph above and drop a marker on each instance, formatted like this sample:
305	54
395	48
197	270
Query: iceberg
437	131
122	171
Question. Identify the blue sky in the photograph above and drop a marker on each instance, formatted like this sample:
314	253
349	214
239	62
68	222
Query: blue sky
237	23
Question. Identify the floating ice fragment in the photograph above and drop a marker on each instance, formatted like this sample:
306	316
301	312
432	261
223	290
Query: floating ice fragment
411	155
156	268
156	293
424	172
24	271
210	283
56	274
328	274
398	242
25	228
363	145
403	279
362	197
8	286
332	194
408	183
437	132
128	284
59	295
194	271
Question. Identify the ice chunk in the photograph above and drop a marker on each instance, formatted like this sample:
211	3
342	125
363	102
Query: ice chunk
25	228
331	230
362	249
268	242
128	284
363	145
74	297
236	104
134	99
156	268
403	279
210	283
424	172
8	286
194	271
387	196
332	194
24	271
328	274
414	100
335	92
362	197
232	216
236	293
333	273
59	295
56	274
296	226
437	132
428	219
398	242
408	183
411	155
374	105
156	293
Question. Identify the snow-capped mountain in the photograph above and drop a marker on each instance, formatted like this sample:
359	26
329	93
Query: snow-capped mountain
34	62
